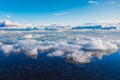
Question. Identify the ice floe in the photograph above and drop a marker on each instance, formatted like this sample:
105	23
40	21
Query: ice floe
97	44
56	53
7	49
32	53
79	56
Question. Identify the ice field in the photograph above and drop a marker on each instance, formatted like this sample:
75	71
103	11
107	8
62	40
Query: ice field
76	45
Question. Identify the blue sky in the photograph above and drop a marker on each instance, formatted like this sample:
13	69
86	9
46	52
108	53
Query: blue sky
59	11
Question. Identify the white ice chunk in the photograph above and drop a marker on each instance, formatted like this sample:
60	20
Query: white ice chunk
7	49
66	47
0	43
29	36
28	42
16	50
44	48
56	53
79	56
32	53
96	44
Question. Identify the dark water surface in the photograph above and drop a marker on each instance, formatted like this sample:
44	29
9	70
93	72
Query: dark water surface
19	67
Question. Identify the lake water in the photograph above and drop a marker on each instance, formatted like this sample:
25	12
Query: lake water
20	67
59	55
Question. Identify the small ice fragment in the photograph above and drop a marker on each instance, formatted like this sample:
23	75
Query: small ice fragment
56	53
32	53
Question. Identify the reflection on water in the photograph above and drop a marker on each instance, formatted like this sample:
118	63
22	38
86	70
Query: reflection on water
19	67
73	57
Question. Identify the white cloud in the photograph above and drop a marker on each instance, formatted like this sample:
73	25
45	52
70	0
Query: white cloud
93	2
112	2
8	16
110	21
118	5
